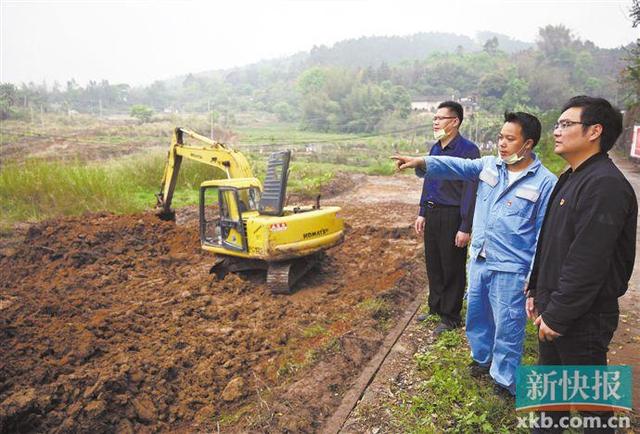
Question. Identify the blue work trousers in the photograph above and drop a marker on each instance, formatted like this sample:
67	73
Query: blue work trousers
496	319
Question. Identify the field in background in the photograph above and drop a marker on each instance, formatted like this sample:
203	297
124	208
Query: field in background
67	166
58	165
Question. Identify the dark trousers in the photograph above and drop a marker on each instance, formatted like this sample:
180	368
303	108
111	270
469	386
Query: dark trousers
586	343
446	264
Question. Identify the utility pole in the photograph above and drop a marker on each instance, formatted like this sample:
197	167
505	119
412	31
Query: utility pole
477	122
41	115
210	119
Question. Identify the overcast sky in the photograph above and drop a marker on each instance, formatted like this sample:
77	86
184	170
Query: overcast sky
140	41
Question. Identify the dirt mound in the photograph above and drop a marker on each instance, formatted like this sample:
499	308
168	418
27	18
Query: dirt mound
113	323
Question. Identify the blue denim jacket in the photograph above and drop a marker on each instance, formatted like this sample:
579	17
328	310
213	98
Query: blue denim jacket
507	218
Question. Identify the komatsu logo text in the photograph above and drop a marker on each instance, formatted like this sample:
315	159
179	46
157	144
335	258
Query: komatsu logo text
317	233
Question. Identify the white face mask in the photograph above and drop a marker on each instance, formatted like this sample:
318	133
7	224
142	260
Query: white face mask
439	134
513	158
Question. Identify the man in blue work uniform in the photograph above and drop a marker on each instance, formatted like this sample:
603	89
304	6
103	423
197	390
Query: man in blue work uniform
446	213
511	202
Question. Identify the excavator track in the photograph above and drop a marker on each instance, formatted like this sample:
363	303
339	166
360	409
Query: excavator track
281	275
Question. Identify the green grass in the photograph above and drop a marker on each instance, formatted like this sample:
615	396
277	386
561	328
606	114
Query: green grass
286	133
36	190
33	190
448	399
314	330
376	308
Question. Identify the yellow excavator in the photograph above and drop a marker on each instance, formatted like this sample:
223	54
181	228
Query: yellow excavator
247	225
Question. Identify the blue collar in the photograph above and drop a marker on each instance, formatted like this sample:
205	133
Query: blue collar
452	144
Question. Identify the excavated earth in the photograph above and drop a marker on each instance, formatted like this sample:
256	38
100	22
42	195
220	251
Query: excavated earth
113	324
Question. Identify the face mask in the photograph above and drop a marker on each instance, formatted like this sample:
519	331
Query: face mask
513	158
439	134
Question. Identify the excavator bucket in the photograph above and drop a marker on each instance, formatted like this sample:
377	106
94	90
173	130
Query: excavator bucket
162	212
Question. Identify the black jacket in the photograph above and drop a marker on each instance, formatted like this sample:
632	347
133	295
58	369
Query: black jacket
587	244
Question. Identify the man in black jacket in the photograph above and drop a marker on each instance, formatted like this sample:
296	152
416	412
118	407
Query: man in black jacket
586	249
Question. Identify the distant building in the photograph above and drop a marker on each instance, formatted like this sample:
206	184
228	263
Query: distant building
429	104
469	105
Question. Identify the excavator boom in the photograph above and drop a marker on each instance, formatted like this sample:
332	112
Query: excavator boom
232	162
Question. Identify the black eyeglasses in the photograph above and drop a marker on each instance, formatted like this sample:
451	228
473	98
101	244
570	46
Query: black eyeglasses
567	123
439	118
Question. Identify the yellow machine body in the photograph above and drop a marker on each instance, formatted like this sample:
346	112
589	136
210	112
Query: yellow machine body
300	231
230	221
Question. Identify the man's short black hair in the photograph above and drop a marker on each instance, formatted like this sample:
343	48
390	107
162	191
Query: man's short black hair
598	111
531	127
454	107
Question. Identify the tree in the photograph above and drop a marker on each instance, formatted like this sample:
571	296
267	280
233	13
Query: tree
284	111
141	112
554	42
8	98
312	81
631	73
491	46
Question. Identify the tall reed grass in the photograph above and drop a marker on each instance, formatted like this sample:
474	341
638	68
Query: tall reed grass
36	189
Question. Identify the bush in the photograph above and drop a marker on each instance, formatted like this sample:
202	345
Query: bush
141	112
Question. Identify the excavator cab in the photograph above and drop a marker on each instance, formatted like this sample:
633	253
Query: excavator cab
228	226
224	210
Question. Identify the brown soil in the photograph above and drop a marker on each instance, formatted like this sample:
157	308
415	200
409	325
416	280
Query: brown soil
113	323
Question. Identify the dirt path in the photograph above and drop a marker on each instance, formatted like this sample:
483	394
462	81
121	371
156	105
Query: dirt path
372	414
625	347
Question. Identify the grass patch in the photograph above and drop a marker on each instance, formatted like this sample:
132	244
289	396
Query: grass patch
313	331
384	167
377	308
449	399
315	354
228	419
290	366
36	190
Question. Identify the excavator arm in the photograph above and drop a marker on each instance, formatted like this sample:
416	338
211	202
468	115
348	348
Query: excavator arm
233	163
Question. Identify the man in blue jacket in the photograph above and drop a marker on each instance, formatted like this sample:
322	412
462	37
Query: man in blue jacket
446	212
511	202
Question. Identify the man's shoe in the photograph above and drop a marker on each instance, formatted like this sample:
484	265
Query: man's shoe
476	370
441	328
502	392
422	317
